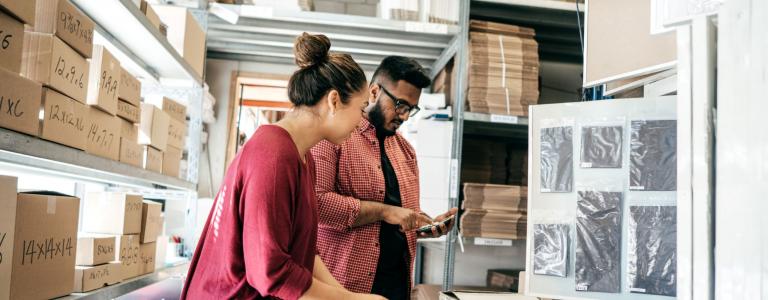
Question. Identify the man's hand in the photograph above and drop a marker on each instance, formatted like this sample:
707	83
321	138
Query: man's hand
408	220
437	231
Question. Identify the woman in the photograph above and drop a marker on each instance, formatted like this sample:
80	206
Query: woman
259	241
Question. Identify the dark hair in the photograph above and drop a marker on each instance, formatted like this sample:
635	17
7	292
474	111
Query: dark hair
396	68
320	72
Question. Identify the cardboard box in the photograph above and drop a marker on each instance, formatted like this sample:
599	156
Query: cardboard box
90	278
46	223
22	10
103	135
128	255
185	34
129	131
130	88
62	18
64	120
171	161
152	16
50	61
173	108
153	127
151	221
104	80
93	250
8	200
177	134
153	159
12	41
127	111
131	153
147	254
19	103
112	213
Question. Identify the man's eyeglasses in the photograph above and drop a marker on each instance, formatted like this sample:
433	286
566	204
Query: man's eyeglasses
401	106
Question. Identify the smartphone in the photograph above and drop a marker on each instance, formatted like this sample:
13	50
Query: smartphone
428	228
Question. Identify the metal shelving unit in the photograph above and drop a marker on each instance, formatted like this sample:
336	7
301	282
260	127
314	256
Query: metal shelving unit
267	35
557	33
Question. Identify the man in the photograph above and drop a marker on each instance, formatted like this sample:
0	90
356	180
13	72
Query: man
368	190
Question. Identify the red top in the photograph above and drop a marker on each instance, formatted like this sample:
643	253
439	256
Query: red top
259	241
347	174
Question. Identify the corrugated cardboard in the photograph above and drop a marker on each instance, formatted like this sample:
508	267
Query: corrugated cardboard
153	159
173	108
112	213
62	18
19	103
64	120
12	41
47	223
127	111
129	131
171	161
131	153
185	34
153	127
103	134
90	278
128	255
50	61
22	10
177	134
93	250
147	254
151	221
104	80
8	200
130	88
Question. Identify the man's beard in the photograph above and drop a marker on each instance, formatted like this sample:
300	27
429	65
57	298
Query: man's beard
376	116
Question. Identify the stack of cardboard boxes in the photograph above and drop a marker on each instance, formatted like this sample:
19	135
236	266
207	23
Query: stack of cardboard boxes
128	108
38	242
494	211
96	265
131	224
163	130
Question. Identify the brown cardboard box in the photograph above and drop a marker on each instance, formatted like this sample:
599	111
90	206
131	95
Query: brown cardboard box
153	127
44	223
12	41
153	159
152	16
103	137
171	161
90	278
19	103
129	131
128	255
177	134
93	250
22	10
127	111
131	153
185	34
64	120
151	221
104	80
147	257
130	88
112	213
62	18
8	200
50	61
173	108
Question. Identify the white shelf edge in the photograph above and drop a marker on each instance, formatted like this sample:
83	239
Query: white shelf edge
496	119
543	4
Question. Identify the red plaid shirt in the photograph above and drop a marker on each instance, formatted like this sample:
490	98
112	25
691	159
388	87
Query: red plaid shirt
346	175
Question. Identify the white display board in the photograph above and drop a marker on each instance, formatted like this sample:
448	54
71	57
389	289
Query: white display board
561	208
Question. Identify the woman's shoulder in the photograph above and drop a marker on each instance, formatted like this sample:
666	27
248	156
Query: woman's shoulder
271	144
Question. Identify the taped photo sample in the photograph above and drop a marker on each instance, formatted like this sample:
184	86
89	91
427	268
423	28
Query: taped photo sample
601	146
550	249
652	255
598	241
557	159
653	156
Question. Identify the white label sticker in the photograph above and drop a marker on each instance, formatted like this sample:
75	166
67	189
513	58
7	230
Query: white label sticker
546	190
637	188
411	26
586	165
581	287
493	242
504	119
639	290
454	192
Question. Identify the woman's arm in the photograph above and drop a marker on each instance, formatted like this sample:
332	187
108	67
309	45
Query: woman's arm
322	273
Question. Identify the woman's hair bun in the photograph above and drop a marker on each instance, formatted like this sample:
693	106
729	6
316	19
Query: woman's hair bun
311	50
